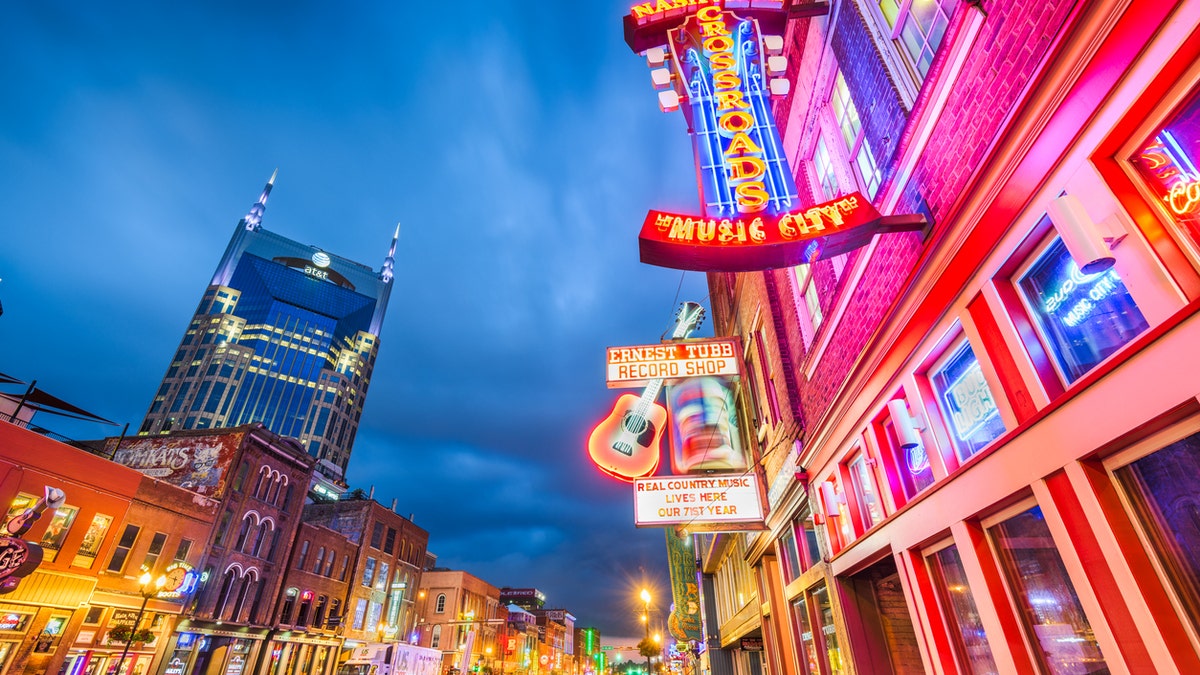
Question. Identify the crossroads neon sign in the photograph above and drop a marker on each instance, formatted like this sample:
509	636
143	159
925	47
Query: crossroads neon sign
752	217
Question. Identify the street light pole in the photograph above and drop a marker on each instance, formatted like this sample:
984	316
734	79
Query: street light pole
646	622
147	592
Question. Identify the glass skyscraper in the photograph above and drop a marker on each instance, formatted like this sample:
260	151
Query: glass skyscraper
286	334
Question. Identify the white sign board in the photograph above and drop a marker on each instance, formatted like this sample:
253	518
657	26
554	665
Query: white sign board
639	365
697	500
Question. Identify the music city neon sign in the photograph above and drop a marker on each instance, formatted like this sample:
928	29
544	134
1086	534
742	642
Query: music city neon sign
752	216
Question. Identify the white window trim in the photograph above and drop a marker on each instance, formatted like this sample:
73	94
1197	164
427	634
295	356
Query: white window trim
993	388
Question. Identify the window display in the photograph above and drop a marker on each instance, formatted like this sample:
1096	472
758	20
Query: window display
1166	162
1084	318
966	402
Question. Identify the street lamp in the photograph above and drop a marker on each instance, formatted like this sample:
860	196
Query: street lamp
148	591
646	621
661	660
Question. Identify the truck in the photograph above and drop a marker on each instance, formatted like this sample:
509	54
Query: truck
392	658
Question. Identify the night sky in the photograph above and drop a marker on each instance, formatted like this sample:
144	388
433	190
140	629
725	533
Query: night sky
518	144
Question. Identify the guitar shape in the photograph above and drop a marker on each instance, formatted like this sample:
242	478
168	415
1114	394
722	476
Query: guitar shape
625	445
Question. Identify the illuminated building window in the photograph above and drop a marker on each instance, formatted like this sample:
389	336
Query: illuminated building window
958	607
440	606
826	175
966	401
845	115
360	614
809	303
1164	493
917	28
1167	164
1082	318
1055	623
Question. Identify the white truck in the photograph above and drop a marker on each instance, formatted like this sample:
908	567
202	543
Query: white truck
392	658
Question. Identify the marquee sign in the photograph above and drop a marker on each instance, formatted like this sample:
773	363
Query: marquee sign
763	242
699	503
720	70
638	366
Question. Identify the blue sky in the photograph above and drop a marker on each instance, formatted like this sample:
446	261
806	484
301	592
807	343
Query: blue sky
519	146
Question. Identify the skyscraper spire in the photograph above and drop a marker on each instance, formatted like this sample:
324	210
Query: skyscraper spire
389	263
253	220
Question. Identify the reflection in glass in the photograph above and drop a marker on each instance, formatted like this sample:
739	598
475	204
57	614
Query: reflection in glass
966	629
820	598
1049	606
1164	489
56	531
809	660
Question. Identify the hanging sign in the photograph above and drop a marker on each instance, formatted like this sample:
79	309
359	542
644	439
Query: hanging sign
746	244
637	366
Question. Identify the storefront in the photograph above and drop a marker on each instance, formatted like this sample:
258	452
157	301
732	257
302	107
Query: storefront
296	652
201	648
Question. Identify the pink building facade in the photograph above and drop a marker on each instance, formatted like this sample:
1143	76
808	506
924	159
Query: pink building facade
979	458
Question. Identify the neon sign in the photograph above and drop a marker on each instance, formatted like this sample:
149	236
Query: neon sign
718	57
637	366
764	242
720	65
970	402
1101	285
648	12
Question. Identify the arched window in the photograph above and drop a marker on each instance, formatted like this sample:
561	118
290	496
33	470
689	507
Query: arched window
273	494
243	593
440	606
265	527
436	640
231	575
244	530
319	615
260	488
320	561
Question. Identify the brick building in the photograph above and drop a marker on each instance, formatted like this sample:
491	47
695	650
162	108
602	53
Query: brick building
260	480
978	456
313	607
384	578
114	524
462	616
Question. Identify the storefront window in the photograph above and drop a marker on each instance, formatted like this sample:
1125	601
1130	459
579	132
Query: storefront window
1084	318
966	629
966	402
90	547
809	661
863	481
833	652
56	531
1164	489
1050	609
1167	163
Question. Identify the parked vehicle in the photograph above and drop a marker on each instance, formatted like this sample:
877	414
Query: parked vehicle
393	658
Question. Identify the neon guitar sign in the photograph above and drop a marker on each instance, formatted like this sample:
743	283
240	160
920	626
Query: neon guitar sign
625	445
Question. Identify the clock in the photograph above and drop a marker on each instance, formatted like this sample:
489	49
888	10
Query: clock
175	578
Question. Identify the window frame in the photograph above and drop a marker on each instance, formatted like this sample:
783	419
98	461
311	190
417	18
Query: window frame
1121	459
950	351
855	148
901	62
1032	258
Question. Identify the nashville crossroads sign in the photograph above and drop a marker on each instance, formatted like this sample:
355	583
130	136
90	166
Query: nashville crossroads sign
638	366
763	242
752	216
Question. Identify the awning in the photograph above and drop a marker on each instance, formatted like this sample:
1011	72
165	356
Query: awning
40	401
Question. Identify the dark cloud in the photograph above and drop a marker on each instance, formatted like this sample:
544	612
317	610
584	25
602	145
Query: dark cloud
519	150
